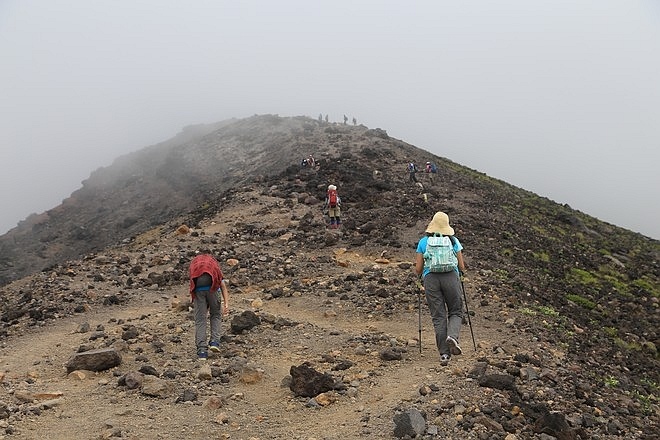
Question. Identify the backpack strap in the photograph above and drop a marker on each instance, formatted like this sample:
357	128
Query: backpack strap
453	242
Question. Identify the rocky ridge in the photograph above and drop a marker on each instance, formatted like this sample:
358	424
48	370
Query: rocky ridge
547	287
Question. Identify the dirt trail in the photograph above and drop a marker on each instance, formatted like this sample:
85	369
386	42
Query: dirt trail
263	410
326	326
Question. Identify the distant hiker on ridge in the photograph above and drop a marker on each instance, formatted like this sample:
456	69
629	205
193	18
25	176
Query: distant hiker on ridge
333	205
431	169
439	262
345	119
354	121
412	169
205	282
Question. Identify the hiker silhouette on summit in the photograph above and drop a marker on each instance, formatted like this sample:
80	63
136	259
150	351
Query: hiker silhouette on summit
439	262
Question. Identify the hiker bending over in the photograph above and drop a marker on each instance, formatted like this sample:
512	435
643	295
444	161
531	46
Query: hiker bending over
439	261
206	281
333	206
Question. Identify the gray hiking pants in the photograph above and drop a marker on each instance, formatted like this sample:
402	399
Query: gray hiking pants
205	302
445	301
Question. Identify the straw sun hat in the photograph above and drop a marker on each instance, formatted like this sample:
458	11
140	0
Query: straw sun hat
440	224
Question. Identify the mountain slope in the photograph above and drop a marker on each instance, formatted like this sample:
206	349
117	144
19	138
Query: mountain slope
150	186
542	277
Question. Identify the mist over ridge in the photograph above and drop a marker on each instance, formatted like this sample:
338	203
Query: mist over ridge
168	181
560	98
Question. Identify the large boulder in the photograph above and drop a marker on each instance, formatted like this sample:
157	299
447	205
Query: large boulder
409	424
94	360
307	382
244	321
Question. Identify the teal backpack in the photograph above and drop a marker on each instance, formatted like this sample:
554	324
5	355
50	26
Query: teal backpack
439	255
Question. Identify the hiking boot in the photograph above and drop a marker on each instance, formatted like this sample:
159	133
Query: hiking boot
202	355
214	346
454	348
444	360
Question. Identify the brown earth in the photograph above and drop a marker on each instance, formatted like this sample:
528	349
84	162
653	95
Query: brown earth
548	288
323	330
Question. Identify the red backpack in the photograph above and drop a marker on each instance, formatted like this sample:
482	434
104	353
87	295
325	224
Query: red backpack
332	198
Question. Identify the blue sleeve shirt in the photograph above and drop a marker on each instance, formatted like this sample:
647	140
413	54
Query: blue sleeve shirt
421	248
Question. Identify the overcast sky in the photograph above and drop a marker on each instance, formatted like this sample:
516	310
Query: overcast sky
560	97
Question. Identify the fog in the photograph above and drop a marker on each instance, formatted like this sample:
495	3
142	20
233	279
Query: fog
558	97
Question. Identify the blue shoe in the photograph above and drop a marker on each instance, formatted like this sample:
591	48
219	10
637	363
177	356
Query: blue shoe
202	355
214	346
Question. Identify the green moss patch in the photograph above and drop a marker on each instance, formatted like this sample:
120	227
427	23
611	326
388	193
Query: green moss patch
581	301
647	285
542	256
583	277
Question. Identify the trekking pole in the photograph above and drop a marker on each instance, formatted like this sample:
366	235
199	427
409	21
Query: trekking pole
419	319
468	314
419	311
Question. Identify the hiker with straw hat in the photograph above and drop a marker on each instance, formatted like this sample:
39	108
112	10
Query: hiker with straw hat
439	262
